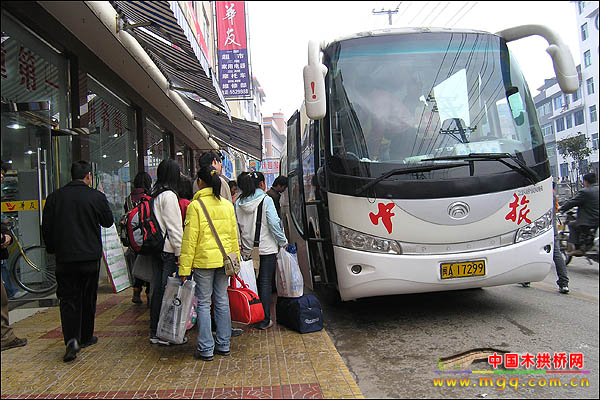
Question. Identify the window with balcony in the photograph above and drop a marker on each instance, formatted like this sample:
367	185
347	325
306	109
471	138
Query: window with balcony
578	117
560	124
593	116
590	86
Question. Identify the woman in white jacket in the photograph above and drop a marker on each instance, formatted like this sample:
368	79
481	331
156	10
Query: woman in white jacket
252	186
167	211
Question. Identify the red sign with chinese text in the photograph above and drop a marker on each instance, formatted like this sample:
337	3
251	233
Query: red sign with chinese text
231	25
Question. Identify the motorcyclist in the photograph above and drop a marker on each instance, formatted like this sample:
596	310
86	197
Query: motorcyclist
586	201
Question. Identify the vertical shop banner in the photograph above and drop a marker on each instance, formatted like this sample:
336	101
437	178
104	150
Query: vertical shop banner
232	46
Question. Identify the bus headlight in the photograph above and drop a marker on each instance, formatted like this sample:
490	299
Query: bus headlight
348	238
535	228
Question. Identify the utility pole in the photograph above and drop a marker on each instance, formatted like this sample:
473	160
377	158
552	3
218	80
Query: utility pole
388	12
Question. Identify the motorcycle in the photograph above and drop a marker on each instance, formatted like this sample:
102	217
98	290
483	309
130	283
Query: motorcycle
589	239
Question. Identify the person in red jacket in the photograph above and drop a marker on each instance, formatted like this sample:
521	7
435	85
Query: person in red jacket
185	193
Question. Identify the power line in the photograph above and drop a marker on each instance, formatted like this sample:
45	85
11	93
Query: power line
469	10
454	16
419	12
430	13
440	13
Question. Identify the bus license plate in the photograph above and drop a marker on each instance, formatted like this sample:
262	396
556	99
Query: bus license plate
462	269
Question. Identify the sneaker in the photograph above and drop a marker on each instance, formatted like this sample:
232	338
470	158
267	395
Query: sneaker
199	356
156	340
264	325
90	342
222	353
526	284
236	332
17	342
564	289
18	294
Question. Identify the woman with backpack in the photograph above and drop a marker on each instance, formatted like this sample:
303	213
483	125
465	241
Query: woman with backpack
271	237
202	257
168	214
142	184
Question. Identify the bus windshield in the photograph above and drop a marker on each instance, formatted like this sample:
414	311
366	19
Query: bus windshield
427	98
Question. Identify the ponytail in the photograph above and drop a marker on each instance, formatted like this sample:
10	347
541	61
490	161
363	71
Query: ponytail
210	177
248	182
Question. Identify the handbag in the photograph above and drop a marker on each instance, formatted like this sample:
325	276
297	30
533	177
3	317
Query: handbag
231	261
254	255
142	267
244	305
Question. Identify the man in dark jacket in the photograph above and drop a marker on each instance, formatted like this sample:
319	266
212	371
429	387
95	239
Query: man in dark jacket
586	201
279	185
71	228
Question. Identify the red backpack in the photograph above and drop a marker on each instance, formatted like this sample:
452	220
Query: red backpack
143	230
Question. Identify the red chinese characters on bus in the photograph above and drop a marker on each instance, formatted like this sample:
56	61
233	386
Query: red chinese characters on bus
386	214
522	213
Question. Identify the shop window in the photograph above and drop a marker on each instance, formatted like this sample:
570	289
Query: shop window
111	143
156	147
183	157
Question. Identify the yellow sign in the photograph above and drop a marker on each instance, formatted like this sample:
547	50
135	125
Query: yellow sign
21	205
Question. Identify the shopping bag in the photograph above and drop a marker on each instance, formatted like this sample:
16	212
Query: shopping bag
247	275
175	310
244	305
288	277
193	315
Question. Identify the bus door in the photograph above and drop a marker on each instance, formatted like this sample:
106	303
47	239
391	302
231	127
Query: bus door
295	218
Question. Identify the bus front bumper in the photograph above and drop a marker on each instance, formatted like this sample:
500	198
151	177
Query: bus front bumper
387	274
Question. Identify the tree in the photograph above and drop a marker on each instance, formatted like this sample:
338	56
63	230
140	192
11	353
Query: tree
575	146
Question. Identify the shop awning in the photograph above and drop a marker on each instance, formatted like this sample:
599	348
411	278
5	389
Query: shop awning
244	136
161	29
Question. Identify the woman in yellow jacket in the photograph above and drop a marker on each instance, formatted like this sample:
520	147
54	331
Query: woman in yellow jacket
201	256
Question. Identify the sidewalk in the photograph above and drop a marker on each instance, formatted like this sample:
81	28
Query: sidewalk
275	363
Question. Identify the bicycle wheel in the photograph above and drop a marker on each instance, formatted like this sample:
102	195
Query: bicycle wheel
34	270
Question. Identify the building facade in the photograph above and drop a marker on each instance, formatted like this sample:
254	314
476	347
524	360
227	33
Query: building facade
274	128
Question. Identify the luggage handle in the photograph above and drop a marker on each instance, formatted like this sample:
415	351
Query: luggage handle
233	285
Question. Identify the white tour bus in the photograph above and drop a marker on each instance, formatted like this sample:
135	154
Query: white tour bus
416	163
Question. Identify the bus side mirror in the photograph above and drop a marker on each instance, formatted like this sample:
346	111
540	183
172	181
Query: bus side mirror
314	83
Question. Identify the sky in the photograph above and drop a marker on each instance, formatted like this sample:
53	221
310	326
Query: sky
279	33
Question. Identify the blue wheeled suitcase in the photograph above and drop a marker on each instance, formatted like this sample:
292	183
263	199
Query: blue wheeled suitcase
302	314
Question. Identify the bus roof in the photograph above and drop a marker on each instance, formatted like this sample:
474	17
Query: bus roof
399	31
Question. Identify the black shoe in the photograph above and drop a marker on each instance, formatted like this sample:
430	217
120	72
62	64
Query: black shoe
264	325
90	342
199	356
72	350
526	284
222	353
564	289
17	342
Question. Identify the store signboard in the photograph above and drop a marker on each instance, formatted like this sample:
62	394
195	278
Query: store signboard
232	50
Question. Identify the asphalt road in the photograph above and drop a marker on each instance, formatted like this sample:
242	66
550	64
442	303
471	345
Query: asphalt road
393	344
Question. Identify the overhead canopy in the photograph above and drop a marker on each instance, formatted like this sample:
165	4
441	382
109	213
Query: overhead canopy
240	134
157	26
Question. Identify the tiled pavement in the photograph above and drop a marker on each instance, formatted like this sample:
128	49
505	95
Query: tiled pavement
275	363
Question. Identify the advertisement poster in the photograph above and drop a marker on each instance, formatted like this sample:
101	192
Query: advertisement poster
232	46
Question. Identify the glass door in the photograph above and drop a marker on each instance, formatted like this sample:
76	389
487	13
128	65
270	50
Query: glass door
26	151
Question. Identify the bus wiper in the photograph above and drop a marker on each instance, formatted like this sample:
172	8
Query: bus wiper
521	167
408	170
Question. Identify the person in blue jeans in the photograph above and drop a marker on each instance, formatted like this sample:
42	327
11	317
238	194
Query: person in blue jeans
270	238
201	252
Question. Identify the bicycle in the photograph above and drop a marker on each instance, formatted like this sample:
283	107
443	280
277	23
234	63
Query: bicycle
33	269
